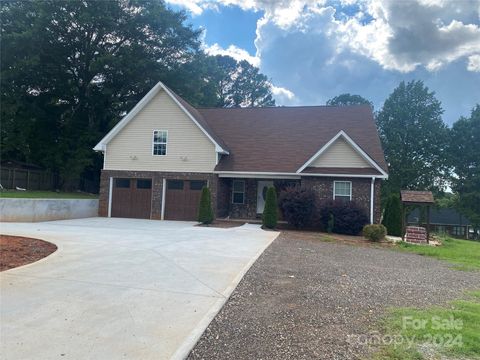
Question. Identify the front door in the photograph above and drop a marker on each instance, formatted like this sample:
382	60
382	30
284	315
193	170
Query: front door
262	187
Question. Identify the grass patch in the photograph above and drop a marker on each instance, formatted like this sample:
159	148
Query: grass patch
464	254
449	331
46	195
326	238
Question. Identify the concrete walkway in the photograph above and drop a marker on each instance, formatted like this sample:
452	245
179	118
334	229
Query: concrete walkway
121	288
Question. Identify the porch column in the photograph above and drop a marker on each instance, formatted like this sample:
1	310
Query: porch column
372	200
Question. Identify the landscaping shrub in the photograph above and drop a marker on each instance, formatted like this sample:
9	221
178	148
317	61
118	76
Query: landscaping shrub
393	215
348	217
330	223
374	232
270	215
205	211
298	206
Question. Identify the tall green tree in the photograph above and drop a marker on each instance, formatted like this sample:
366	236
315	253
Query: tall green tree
392	219
348	99
71	69
250	87
414	138
464	151
240	84
270	212
205	210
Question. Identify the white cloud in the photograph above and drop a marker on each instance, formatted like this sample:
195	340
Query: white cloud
233	51
406	34
282	95
196	7
318	49
399	35
474	63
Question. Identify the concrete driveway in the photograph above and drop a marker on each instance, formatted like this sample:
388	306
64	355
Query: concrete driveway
121	288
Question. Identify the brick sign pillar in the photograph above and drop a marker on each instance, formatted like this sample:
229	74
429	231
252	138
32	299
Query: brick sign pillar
416	235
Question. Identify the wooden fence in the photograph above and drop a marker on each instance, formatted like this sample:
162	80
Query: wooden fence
26	179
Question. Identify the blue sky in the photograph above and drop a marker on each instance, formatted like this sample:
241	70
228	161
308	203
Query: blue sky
313	50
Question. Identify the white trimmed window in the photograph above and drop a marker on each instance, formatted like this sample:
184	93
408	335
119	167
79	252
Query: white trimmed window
160	142
342	190
238	192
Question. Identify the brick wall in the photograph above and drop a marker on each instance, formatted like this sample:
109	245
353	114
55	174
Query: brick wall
416	235
157	186
323	187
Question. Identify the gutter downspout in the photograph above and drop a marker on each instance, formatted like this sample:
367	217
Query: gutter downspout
164	191
110	189
372	195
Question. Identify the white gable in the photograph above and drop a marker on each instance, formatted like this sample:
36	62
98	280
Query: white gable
340	154
346	154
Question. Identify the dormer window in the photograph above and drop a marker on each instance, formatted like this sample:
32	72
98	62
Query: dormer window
160	142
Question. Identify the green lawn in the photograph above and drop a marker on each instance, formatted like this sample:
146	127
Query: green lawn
452	331
464	254
45	195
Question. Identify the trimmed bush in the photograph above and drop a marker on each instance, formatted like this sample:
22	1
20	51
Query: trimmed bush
330	223
348	217
392	219
205	211
298	206
270	215
374	232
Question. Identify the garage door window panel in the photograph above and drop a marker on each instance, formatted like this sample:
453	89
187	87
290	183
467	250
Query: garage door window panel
175	184
144	184
122	183
197	184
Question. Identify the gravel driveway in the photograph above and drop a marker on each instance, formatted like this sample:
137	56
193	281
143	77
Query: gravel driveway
304	297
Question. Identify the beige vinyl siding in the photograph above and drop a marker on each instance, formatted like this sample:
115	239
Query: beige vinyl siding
340	154
185	140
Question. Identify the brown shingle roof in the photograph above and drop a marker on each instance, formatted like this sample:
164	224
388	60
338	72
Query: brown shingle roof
282	139
410	196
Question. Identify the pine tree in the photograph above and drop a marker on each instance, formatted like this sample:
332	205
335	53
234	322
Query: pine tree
270	211
205	211
393	216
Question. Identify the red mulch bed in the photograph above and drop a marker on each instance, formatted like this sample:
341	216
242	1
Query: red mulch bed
17	251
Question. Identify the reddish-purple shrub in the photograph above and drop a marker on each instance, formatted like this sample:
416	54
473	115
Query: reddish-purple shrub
348	217
298	206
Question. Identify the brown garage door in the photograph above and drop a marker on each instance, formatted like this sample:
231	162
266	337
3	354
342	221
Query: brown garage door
132	198
182	199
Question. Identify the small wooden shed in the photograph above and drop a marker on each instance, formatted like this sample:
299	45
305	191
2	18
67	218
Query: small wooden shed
411	197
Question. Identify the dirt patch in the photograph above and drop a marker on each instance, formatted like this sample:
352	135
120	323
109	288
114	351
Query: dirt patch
17	251
308	298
